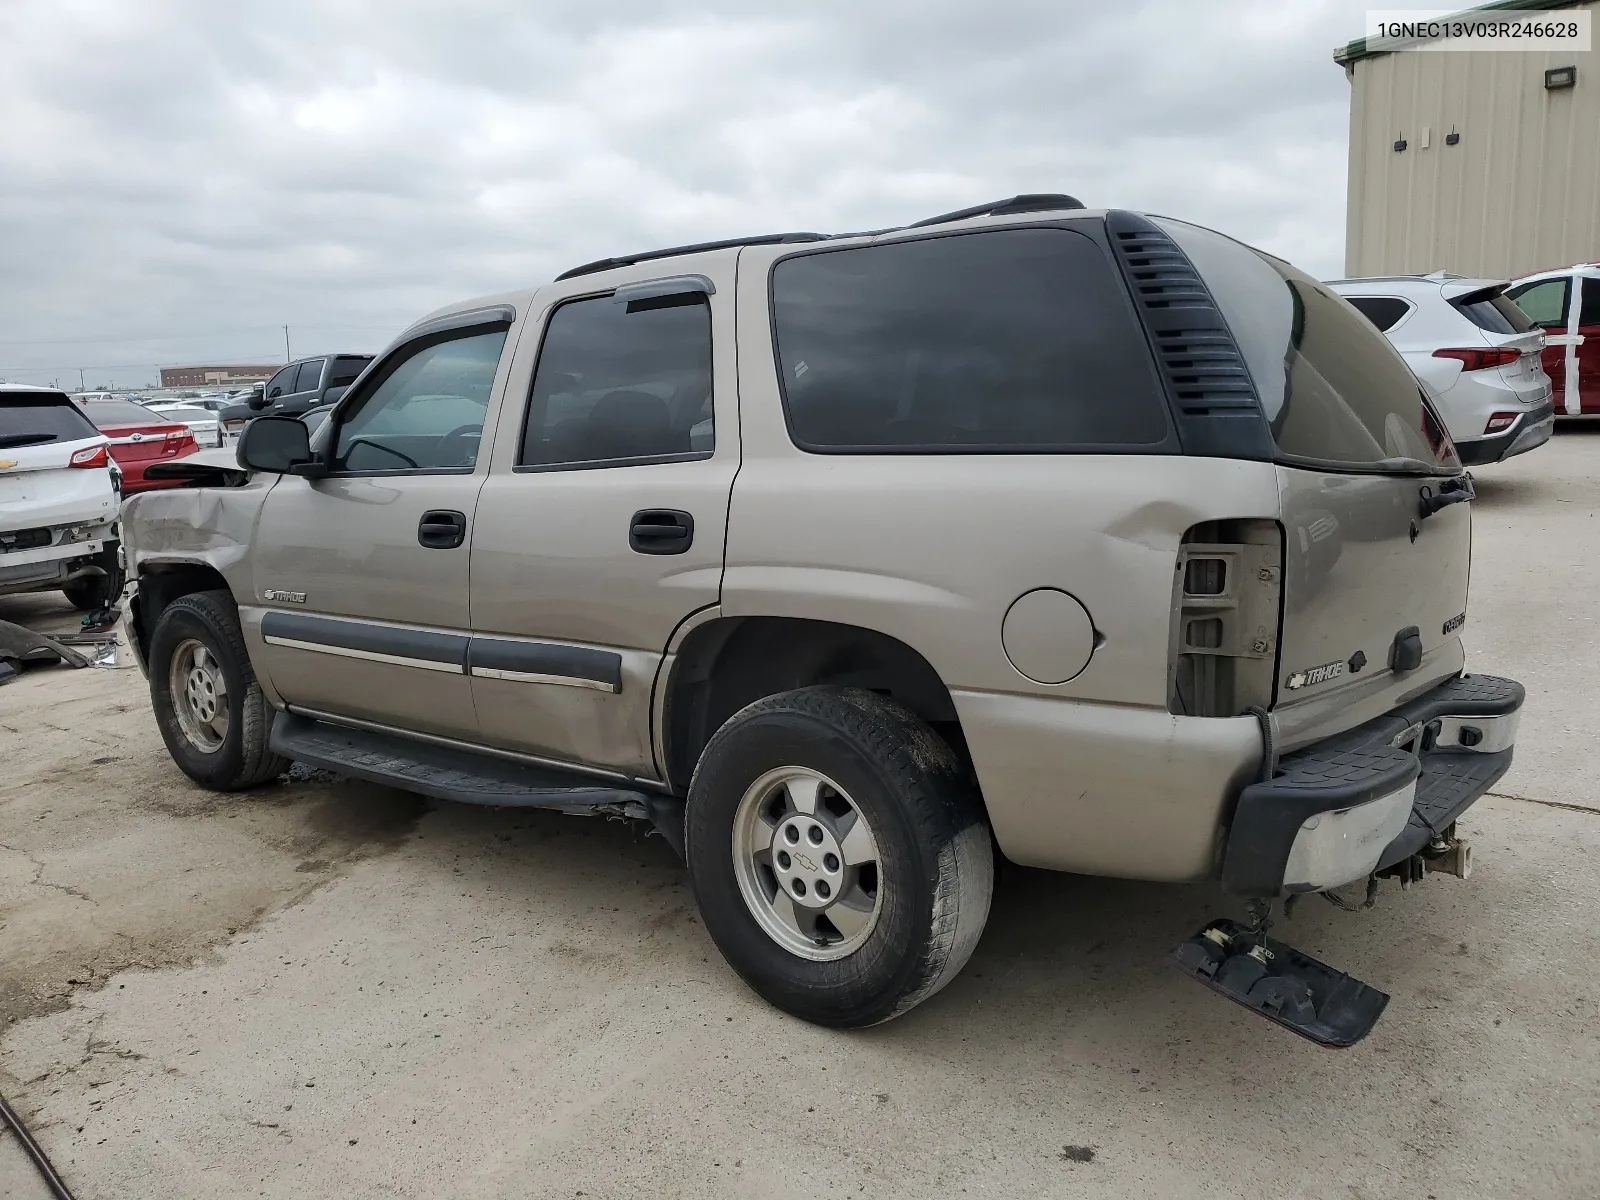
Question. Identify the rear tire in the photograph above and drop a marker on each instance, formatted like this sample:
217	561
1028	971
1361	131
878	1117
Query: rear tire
874	882
90	592
208	705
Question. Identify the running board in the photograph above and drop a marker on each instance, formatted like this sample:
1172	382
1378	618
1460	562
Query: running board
448	773
1282	984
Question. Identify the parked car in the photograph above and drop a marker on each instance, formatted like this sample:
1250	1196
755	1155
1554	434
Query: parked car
1566	305
204	424
58	500
303	384
139	437
1473	349
1009	531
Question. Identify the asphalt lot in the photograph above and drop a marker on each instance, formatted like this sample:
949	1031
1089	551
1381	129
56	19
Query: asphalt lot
327	988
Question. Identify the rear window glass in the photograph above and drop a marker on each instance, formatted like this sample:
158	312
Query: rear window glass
1335	392
120	412
1019	341
1382	311
1497	313
36	419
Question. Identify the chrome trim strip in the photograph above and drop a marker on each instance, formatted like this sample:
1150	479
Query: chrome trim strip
535	677
367	655
473	747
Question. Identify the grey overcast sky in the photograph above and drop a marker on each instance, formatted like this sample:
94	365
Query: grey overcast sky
181	178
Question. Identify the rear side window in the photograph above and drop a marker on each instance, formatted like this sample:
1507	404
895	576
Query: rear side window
1334	391
1019	341
38	418
621	382
1589	314
310	377
1545	302
1496	313
1382	311
120	412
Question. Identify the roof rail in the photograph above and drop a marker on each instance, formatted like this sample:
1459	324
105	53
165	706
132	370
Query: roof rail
1032	202
625	260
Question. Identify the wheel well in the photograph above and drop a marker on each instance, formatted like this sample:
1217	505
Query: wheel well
162	583
729	663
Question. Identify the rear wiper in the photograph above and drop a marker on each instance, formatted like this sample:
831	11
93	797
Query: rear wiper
1452	491
26	439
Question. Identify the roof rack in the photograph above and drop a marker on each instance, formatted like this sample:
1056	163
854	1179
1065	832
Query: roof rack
1032	202
626	260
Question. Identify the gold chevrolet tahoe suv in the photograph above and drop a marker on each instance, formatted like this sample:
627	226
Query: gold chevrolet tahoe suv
1091	539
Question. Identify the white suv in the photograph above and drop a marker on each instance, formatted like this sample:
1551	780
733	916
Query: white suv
1473	349
58	500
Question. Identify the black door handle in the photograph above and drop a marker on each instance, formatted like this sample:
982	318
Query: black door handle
660	531
442	529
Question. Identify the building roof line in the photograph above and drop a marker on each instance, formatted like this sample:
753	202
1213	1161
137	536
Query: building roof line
1370	47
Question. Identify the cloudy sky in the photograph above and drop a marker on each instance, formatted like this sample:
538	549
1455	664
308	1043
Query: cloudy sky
181	178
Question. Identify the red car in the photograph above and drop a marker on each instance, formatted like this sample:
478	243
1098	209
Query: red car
139	438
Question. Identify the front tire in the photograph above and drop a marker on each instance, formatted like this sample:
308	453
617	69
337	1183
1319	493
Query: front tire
838	855
208	705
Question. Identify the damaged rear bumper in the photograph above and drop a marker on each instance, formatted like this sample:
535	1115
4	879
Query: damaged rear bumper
1373	796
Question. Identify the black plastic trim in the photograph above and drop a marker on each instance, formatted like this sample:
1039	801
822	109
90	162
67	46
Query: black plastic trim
373	639
1030	202
1209	389
1481	451
546	658
628	260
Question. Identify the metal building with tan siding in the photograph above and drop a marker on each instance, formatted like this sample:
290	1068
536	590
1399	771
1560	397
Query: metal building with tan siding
1476	162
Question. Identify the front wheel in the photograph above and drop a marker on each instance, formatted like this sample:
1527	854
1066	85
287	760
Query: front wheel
838	855
208	705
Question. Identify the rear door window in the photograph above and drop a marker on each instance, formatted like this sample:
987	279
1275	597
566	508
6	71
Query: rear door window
1335	392
1545	302
1589	313
1012	341
39	418
1382	311
310	376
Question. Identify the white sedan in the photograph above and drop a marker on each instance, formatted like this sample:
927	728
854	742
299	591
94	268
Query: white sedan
205	425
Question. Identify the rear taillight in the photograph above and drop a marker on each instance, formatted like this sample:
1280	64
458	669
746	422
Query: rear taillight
92	456
1499	421
1473	358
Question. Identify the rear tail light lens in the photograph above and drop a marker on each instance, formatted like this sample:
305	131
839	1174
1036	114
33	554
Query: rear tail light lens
1474	358
92	456
1499	421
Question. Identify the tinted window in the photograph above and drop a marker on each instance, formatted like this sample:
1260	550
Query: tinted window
1589	313
1333	388
427	413
34	419
282	383
345	370
1020	340
1496	313
622	381
310	377
1382	311
1545	302
120	412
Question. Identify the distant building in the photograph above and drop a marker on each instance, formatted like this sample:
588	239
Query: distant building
217	376
1481	163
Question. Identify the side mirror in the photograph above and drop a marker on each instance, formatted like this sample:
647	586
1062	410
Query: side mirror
276	444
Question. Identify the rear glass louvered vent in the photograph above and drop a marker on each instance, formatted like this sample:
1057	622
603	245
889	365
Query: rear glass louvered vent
1199	356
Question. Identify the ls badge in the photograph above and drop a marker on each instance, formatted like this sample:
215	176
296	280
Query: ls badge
1320	674
283	597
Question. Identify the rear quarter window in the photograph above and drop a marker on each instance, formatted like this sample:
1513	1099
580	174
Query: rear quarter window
1335	393
1010	341
1383	311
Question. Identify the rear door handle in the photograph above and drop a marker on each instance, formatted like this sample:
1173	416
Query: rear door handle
660	531
442	529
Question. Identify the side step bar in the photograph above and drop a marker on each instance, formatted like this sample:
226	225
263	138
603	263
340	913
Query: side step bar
447	773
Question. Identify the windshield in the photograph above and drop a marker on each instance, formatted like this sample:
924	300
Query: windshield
38	418
1335	392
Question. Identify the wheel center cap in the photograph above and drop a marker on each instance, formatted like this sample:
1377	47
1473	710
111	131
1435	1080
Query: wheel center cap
807	861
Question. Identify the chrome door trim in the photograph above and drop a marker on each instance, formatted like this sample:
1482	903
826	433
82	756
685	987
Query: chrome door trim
536	677
396	660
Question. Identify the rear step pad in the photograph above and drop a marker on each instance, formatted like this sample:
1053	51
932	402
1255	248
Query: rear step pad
1282	984
450	774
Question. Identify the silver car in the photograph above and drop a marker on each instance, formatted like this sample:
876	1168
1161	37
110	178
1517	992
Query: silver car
1090	539
202	422
1475	351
